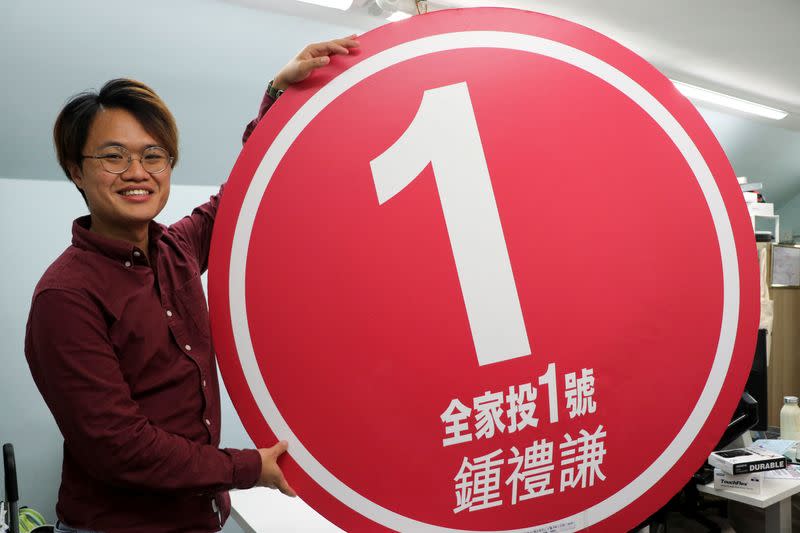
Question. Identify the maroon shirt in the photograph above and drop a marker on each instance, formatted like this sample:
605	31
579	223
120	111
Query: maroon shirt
120	349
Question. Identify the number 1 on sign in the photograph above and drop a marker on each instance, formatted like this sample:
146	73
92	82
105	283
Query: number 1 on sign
445	134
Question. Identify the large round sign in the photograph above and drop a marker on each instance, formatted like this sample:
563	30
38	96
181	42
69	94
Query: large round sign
491	273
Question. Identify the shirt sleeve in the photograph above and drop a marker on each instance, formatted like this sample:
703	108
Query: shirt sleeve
195	230
78	374
266	103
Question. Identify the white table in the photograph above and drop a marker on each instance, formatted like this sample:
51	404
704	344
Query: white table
262	510
775	499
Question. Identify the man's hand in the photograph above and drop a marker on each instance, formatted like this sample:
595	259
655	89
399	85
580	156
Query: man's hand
271	475
311	58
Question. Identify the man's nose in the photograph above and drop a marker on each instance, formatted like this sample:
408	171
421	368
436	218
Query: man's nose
135	170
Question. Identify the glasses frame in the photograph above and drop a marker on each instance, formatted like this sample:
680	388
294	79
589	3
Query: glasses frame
170	160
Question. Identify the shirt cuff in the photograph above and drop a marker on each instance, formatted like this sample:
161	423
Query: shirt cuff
246	467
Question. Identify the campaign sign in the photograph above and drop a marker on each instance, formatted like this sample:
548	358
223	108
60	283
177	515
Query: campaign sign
490	273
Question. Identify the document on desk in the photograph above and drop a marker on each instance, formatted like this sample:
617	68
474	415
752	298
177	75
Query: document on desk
790	472
780	446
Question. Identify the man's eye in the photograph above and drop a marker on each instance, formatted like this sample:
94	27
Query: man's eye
111	157
154	157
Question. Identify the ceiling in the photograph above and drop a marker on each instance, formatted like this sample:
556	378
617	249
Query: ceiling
742	48
196	50
738	47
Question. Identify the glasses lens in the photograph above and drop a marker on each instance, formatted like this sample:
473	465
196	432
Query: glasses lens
155	159
114	159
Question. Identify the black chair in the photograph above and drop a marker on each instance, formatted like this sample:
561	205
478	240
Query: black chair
12	494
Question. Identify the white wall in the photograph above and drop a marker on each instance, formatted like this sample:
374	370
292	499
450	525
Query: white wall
37	218
790	218
36	229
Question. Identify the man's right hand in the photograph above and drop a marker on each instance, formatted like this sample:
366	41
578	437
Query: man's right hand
271	475
311	58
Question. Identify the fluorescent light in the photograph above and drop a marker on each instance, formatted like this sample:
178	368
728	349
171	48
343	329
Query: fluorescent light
344	5
712	97
398	15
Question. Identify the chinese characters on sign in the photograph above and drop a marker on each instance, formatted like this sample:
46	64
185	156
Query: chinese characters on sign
480	481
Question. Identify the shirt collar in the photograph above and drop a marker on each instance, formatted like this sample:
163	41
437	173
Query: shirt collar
85	239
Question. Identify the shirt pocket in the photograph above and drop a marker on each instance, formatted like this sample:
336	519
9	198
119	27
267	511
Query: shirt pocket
191	302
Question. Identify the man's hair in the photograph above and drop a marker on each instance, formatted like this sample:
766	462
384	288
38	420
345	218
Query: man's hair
74	121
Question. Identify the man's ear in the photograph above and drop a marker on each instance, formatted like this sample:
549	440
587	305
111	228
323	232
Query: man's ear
76	175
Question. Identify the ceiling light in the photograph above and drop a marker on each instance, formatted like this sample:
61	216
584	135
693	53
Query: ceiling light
712	97
344	5
398	15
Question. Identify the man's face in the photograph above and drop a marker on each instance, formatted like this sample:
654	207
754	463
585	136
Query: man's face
120	204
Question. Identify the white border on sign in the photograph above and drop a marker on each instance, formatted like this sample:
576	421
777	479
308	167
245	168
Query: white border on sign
499	40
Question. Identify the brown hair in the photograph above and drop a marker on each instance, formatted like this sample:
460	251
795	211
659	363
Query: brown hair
74	121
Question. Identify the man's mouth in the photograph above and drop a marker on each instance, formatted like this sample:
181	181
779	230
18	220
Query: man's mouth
135	192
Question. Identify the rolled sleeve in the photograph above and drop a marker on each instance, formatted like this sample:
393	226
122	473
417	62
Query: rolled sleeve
246	467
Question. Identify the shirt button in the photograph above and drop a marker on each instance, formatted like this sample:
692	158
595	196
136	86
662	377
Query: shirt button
188	348
127	263
204	384
208	422
169	313
136	253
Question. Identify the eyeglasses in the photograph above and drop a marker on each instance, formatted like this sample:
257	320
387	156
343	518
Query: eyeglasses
117	159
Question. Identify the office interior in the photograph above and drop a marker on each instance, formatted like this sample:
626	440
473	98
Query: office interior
211	60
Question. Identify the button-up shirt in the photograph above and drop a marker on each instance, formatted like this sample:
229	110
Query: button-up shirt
119	346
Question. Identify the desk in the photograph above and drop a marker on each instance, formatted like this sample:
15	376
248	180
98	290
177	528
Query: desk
775	499
263	510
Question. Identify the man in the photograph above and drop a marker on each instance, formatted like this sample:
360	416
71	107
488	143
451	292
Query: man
118	339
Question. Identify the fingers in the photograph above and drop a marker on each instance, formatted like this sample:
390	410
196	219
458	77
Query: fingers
306	66
348	42
282	485
334	47
279	448
351	41
278	480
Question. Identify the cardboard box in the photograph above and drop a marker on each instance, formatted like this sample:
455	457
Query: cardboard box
746	461
745	482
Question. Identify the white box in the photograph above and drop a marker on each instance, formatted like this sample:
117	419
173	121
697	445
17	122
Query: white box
745	482
746	461
761	209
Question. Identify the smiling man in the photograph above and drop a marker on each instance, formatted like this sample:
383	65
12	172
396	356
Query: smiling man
118	339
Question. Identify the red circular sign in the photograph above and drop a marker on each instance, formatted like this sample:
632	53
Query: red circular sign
491	273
